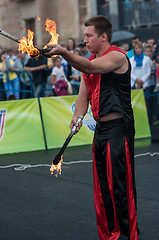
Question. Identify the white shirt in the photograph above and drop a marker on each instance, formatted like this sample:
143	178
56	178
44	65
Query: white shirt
143	72
58	72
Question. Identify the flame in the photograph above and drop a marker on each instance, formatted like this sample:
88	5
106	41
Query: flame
57	168
26	45
51	28
38	19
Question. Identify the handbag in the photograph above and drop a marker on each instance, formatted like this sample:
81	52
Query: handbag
69	86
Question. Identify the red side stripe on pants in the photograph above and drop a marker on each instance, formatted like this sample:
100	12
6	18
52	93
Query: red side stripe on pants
116	231
102	223
130	196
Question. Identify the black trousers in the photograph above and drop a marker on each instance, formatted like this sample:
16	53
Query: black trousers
114	181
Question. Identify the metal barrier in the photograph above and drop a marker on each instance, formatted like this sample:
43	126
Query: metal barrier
21	89
138	14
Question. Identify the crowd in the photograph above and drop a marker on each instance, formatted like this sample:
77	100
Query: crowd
24	77
144	59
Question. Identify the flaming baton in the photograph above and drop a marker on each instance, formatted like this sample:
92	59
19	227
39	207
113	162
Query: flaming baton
26	44
57	162
29	48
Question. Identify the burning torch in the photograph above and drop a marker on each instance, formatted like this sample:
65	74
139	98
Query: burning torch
15	39
57	161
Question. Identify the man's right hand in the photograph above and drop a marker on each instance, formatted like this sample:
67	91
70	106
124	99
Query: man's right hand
56	49
75	122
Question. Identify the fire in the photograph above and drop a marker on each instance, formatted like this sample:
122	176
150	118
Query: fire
51	28
57	168
26	45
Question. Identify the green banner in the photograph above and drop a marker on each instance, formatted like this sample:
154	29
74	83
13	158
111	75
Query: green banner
57	113
142	128
20	126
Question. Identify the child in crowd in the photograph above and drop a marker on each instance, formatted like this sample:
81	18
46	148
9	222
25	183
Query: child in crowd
58	78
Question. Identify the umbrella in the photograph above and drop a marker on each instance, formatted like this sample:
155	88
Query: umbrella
122	35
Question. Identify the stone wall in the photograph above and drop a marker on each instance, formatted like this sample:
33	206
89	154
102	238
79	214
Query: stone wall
14	14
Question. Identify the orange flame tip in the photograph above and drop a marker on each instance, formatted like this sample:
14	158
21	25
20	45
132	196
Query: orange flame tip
26	45
57	168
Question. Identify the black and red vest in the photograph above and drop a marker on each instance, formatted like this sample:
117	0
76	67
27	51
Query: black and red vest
110	92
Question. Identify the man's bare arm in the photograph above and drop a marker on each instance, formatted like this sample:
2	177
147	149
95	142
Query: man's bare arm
81	106
113	61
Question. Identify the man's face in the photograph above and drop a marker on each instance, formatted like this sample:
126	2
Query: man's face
134	41
92	39
83	49
150	42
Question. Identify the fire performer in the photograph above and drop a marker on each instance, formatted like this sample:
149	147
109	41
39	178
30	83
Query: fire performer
106	84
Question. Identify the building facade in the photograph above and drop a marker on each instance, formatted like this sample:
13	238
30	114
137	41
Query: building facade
16	16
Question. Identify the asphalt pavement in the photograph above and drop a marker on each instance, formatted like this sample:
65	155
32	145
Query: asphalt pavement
36	205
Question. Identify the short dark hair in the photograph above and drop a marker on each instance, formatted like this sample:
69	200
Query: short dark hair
136	37
101	24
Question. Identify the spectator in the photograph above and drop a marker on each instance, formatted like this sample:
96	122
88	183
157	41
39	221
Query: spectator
141	71
36	66
2	91
71	46
84	52
150	42
124	47
134	40
20	62
152	82
156	63
11	97
155	58
11	54
10	80
64	63
47	73
75	77
156	50
58	78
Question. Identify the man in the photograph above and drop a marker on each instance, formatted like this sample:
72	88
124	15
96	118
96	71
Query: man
106	84
20	62
83	50
36	66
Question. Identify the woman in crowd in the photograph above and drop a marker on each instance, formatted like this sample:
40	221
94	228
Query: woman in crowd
141	71
10	80
70	46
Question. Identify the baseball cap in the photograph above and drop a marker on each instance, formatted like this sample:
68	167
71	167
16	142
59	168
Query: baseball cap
82	44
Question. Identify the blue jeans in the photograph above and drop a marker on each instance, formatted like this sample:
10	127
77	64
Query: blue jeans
12	87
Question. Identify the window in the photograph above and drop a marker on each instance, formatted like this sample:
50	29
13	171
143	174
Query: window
30	24
82	10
